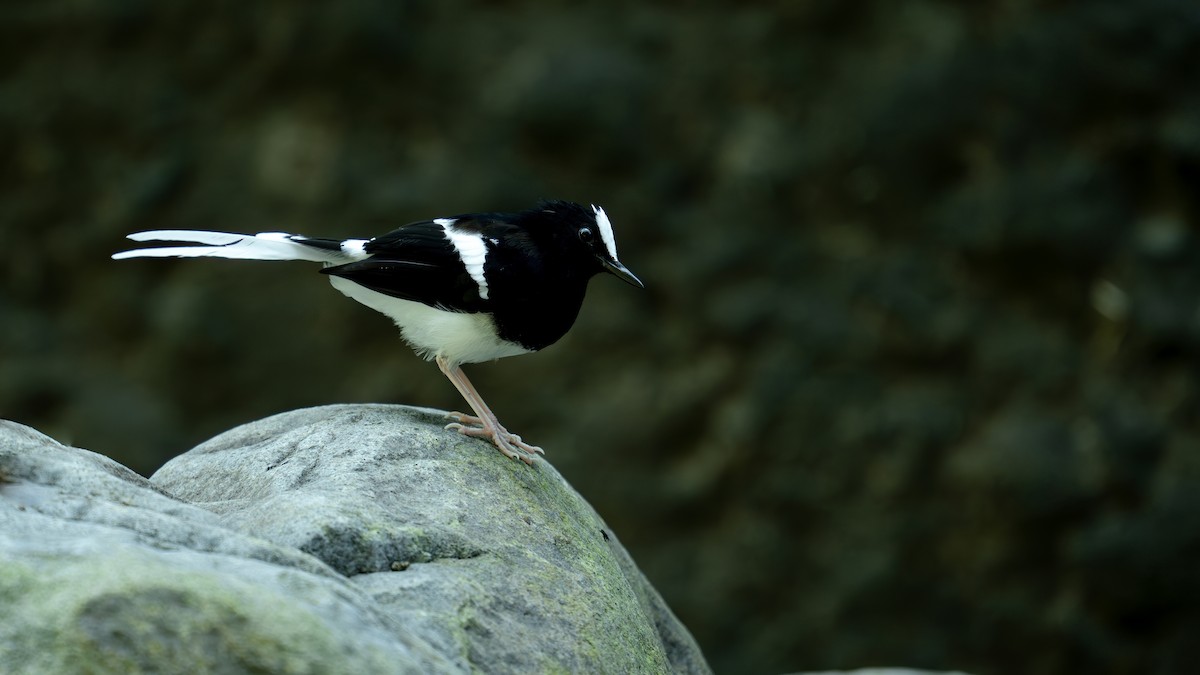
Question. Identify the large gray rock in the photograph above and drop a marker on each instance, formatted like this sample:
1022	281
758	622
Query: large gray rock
338	539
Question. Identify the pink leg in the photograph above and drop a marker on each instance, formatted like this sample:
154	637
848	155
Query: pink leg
484	424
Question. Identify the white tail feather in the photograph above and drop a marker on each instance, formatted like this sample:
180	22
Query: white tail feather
197	236
261	246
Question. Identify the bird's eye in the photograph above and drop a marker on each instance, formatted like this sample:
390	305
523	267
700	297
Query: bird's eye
585	235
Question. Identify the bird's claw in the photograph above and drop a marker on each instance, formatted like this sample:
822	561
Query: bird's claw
464	419
506	442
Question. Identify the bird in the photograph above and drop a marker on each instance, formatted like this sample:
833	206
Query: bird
462	289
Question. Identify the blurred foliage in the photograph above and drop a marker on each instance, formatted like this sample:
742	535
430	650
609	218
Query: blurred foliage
914	380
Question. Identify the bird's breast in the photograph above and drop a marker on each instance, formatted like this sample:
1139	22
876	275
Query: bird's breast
536	322
460	337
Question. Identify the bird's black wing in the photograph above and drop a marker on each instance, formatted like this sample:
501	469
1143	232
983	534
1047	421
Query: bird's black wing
416	262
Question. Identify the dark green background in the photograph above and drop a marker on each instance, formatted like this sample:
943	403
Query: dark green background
914	379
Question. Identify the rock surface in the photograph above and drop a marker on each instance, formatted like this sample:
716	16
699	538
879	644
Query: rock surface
338	539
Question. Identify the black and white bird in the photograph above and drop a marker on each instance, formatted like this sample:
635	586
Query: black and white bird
465	289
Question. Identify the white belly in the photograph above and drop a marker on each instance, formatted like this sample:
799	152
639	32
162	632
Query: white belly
459	337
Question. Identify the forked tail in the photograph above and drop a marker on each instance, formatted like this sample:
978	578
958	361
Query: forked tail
261	246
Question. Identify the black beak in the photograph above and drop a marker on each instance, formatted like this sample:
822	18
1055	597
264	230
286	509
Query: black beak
618	270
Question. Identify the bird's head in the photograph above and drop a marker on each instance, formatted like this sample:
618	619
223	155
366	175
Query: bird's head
592	233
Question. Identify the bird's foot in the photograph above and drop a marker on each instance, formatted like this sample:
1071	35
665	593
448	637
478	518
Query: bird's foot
505	441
